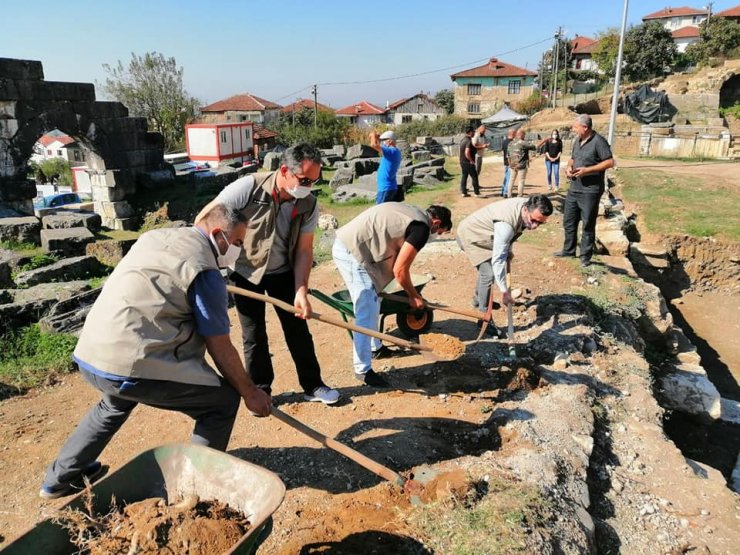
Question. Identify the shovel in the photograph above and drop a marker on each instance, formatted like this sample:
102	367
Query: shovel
474	314
371	465
510	314
425	349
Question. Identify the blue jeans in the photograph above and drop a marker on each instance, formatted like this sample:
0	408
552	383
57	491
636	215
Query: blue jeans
553	167
365	302
505	184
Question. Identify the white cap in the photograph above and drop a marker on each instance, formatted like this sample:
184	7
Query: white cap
388	135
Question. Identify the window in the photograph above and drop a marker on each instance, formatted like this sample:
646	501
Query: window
473	89
246	133
48	152
515	87
223	136
76	155
243	118
405	119
474	108
59	152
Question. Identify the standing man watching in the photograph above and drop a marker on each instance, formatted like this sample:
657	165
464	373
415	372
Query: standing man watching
467	164
390	160
586	169
486	237
518	155
480	144
370	251
145	339
507	174
277	259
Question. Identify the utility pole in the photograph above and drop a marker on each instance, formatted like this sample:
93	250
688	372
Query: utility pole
315	92
617	78
709	11
555	74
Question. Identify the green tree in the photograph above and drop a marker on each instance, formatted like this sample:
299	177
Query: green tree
649	51
718	37
151	87
299	127
546	67
446	100
55	169
606	51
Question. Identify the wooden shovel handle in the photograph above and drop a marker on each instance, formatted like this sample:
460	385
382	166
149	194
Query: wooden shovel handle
328	320
474	314
373	466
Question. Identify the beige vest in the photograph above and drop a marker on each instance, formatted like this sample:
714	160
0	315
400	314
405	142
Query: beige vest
475	233
261	212
142	324
376	236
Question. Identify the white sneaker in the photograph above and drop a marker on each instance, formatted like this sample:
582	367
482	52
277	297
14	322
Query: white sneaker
324	395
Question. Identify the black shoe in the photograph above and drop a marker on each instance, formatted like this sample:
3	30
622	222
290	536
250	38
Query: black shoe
465	194
93	472
586	262
372	379
383	352
562	254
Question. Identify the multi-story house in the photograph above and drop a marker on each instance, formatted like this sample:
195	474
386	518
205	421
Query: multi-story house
482	90
682	22
239	108
419	106
363	114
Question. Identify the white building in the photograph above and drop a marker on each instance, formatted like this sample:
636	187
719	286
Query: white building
419	106
58	145
363	114
219	143
683	23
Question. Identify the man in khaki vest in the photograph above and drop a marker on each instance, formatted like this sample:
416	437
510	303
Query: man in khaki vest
486	237
145	339
277	259
370	251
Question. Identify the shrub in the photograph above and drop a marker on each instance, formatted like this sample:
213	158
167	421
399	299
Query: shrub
446	125
38	261
529	106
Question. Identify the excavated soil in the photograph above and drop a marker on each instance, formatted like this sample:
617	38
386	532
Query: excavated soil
151	526
445	347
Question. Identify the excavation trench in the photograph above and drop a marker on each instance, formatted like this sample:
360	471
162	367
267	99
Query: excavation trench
698	279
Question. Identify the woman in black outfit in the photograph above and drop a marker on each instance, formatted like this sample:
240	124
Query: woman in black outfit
553	150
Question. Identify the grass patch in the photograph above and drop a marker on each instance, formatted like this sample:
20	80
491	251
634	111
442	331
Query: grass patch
30	357
97	281
498	523
681	204
117	235
38	261
28	249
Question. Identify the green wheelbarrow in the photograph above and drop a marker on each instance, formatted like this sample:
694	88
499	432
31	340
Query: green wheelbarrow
410	322
173	471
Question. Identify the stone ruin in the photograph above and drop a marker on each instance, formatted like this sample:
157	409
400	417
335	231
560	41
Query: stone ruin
120	151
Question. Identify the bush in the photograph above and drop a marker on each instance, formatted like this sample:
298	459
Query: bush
534	103
30	357
444	126
733	111
55	169
328	131
38	261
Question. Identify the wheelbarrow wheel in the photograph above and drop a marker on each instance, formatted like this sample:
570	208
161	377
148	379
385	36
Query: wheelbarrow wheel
413	323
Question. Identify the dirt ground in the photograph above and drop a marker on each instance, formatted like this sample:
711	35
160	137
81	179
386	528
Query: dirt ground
429	417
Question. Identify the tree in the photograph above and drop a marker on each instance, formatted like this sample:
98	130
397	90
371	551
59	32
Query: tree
649	51
546	66
606	51
446	99
52	170
718	37
151	87
299	127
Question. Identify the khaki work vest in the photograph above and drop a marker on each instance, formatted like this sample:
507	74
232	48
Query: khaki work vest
376	236
475	233
261	212
142	324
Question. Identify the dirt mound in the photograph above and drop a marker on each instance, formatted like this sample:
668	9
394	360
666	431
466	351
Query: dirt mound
151	526
703	264
524	379
445	346
551	115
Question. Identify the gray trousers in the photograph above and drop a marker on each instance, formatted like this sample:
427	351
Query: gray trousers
483	286
213	408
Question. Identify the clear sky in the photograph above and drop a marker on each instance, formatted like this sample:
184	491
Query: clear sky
277	49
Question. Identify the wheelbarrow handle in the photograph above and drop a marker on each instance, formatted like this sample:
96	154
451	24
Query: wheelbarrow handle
474	314
373	466
328	320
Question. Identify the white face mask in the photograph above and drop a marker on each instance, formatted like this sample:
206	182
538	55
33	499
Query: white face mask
298	191
228	259
554	136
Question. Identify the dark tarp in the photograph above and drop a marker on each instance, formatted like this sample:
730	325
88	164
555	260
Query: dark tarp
647	106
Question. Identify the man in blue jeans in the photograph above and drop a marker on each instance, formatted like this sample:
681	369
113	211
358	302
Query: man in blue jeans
370	251
390	160
145	340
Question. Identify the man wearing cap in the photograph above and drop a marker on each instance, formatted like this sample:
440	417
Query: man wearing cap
390	160
277	259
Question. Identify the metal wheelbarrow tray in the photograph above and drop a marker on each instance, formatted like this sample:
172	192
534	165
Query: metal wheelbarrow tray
173	471
410	322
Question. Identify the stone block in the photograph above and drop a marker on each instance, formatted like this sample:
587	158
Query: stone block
30	305
116	209
364	166
272	161
735	477
424	140
328	160
64	220
8	127
67	269
651	257
360	151
339	150
327	221
109	252
341	177
18	190
70	241
25	229
437	162
730	411
123	224
68	316
686	388
11	68
421	155
613	242
405	181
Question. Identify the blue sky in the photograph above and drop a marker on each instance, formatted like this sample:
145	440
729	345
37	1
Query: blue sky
277	49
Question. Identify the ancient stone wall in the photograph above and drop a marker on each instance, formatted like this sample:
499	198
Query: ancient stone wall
119	148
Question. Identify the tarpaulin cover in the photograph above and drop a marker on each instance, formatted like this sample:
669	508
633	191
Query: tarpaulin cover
646	106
